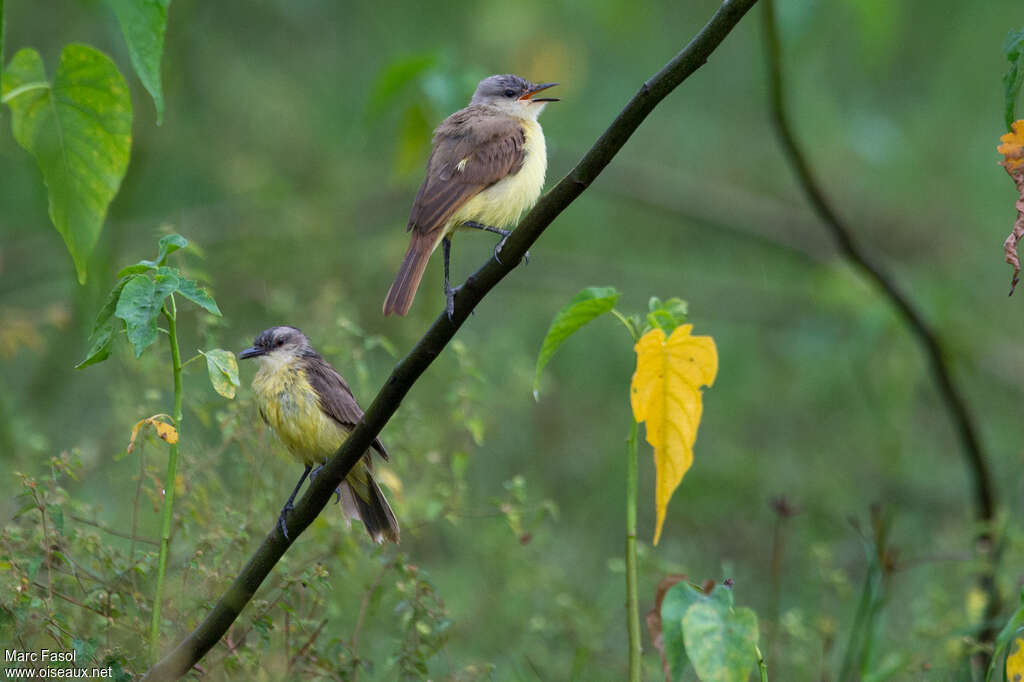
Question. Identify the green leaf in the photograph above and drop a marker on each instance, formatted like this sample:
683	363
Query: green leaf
190	290
139	308
166	282
143	23
103	329
666	316
584	307
223	369
1013	48
79	130
720	641
168	244
678	599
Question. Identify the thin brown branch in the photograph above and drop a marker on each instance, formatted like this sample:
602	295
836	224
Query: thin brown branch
407	372
983	490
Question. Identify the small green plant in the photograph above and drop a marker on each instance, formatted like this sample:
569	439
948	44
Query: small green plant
145	293
665	393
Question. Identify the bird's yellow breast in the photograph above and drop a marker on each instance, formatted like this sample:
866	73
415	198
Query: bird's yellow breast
289	404
501	204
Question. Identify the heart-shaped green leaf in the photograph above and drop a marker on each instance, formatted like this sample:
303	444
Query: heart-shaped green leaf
78	128
720	642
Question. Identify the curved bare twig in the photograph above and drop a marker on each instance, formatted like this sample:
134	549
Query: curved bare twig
405	374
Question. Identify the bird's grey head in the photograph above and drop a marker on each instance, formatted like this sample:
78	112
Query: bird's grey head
512	95
282	340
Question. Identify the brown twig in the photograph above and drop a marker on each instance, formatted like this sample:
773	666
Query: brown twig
407	372
984	494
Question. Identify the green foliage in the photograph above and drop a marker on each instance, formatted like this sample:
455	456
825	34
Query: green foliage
665	315
143	23
139	298
585	306
78	128
706	630
1013	48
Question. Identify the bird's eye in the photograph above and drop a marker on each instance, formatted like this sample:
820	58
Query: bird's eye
278	343
510	93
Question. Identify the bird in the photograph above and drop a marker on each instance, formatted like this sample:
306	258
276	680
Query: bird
312	410
487	166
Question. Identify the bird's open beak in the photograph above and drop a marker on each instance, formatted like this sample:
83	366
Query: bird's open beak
529	94
250	353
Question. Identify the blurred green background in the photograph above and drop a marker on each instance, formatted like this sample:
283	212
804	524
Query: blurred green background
293	143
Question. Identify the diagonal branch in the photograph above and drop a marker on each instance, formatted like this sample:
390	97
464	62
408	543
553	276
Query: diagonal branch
984	493
405	374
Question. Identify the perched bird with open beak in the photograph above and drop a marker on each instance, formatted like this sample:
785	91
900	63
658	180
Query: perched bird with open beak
487	167
312	410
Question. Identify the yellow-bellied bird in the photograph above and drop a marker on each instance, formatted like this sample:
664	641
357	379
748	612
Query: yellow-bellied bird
486	168
312	410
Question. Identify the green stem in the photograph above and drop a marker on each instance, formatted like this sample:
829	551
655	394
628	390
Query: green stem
762	667
632	596
169	481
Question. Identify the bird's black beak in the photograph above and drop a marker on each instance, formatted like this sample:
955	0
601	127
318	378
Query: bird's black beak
529	94
251	353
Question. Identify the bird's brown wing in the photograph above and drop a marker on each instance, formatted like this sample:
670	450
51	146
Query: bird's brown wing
473	149
335	397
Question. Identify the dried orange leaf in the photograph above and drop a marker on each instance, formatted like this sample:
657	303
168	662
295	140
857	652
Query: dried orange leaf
1012	149
666	394
166	431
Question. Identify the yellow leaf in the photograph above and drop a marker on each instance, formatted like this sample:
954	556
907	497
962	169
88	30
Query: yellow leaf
163	429
666	394
1015	660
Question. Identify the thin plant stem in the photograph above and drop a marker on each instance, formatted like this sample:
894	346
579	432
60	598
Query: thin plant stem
632	594
762	667
172	471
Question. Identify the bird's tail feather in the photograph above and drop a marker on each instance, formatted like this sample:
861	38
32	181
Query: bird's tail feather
363	500
407	281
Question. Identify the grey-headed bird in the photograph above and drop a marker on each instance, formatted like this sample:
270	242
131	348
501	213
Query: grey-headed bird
312	410
487	167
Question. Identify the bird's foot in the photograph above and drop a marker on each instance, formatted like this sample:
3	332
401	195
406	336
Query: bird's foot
449	303
281	521
312	477
500	245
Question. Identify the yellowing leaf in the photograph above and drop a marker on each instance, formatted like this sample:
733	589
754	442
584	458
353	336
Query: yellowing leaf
666	394
1015	660
166	431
